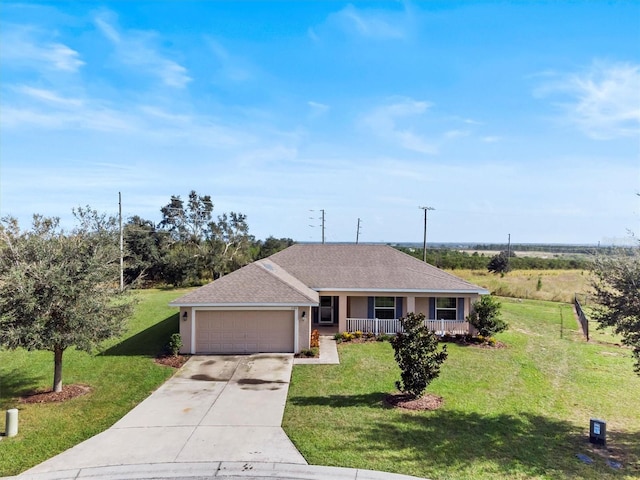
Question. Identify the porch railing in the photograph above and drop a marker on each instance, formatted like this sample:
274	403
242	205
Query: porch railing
392	326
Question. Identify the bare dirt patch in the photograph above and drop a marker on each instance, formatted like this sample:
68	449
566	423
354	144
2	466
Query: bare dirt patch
171	361
426	402
68	392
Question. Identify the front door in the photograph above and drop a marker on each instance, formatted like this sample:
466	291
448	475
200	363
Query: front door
326	310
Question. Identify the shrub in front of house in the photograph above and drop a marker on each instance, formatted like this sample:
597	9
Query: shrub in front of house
174	345
315	339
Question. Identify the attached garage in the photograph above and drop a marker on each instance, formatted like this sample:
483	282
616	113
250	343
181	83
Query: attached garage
257	309
244	331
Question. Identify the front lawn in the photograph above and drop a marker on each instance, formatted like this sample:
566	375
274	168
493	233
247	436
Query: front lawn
518	412
120	376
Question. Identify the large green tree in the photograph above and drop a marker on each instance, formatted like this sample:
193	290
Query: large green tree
60	289
229	244
617	294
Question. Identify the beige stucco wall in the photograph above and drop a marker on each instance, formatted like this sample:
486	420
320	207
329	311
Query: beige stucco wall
358	307
422	306
304	328
185	329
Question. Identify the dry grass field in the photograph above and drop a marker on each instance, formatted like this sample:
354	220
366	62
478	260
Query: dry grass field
553	285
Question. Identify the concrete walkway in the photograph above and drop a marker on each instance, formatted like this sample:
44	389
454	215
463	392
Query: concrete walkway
328	354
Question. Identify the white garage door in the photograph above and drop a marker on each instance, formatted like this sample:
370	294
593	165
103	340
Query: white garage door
244	331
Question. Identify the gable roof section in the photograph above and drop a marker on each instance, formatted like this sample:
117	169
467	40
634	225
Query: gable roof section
352	267
257	284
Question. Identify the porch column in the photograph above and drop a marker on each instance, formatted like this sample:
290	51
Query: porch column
342	312
411	305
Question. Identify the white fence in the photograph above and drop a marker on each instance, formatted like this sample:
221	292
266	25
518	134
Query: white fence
378	325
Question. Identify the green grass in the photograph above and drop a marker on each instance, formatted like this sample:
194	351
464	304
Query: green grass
121	375
518	412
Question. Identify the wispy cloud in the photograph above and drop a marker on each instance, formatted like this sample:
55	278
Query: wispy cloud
48	96
230	67
317	108
385	122
603	101
137	49
29	47
369	24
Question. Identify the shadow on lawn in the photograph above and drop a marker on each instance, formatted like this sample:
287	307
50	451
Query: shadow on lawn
373	400
150	341
527	444
514	444
15	383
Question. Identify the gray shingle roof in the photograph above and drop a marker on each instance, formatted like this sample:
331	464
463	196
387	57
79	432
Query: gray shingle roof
362	267
294	276
259	283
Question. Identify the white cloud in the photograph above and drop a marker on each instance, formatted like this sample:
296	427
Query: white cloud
369	24
230	67
384	122
317	108
48	96
136	49
604	100
29	47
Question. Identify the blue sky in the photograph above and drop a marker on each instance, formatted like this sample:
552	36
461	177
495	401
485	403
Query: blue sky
518	118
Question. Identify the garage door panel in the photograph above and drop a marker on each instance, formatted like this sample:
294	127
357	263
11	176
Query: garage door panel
236	331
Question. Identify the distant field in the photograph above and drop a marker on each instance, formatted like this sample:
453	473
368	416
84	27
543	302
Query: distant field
535	254
554	285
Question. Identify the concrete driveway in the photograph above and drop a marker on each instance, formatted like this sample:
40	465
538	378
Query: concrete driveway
216	408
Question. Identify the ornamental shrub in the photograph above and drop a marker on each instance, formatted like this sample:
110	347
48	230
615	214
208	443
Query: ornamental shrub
416	351
315	339
485	316
175	344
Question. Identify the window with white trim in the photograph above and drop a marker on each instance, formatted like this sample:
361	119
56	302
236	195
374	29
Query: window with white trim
385	308
446	308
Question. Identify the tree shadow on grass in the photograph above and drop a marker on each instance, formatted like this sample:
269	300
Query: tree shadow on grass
15	383
526	443
517	445
373	400
149	342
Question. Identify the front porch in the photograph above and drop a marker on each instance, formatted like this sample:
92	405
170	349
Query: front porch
361	311
393	326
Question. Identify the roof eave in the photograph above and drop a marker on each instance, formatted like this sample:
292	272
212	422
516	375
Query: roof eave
479	291
244	304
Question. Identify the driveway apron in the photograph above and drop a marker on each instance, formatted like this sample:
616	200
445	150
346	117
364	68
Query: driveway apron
216	408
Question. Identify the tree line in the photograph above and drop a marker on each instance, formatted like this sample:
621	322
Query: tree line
455	260
189	246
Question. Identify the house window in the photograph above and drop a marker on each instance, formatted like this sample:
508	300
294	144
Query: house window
446	308
385	307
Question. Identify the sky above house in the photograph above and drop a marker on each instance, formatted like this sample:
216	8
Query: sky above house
518	118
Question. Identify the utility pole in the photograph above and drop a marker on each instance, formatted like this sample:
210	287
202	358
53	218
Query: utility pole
508	250
358	232
121	243
424	242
